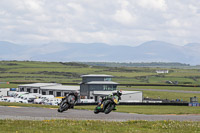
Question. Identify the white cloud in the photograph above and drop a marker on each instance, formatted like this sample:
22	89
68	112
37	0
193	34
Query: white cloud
77	7
124	17
174	23
34	5
125	22
153	4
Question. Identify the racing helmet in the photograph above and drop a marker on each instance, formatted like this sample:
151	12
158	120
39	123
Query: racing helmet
118	93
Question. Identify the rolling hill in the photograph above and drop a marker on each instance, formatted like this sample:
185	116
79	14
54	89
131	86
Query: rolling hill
151	51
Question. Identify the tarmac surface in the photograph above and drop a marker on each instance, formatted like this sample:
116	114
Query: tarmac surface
34	113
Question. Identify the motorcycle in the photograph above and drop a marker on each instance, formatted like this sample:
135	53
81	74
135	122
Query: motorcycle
68	102
108	103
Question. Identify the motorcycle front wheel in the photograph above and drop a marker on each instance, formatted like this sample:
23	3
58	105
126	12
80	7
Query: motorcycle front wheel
109	108
63	106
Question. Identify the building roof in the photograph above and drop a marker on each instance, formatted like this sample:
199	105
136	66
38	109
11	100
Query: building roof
97	75
102	83
130	92
110	92
39	84
61	87
103	92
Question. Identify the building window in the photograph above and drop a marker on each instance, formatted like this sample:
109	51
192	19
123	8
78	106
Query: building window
29	90
58	94
22	89
107	79
108	88
95	98
35	91
43	93
50	92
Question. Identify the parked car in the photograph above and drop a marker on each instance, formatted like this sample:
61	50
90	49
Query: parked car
53	101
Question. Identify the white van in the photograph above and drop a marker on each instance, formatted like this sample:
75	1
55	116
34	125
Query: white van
53	101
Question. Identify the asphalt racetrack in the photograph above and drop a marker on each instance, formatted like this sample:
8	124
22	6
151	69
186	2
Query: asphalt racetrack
34	113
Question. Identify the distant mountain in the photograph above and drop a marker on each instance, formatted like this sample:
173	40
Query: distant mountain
157	51
151	51
11	51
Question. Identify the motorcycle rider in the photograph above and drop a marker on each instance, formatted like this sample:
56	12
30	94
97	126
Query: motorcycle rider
116	95
68	101
72	97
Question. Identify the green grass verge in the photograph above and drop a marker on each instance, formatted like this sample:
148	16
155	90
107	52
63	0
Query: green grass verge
151	110
169	95
26	105
178	110
162	88
89	126
139	109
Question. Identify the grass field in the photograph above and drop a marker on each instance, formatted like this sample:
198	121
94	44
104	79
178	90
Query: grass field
162	88
88	126
29	71
142	109
8	85
59	72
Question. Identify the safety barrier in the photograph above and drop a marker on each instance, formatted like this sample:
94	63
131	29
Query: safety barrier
131	103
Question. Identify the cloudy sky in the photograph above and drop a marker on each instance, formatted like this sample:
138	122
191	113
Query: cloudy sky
115	22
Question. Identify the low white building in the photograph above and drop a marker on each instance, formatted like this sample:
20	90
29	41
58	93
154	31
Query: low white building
127	96
4	91
35	87
58	90
162	71
131	96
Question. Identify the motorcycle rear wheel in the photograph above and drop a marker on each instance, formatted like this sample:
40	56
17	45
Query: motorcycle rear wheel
96	111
